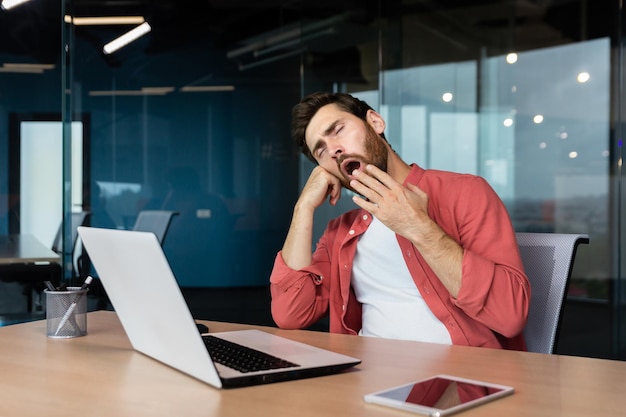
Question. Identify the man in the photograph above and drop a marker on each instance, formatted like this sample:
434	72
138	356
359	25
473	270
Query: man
428	255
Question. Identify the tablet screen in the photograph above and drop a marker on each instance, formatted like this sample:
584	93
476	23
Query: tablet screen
440	393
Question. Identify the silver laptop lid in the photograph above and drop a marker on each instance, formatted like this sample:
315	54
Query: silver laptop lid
145	294
139	282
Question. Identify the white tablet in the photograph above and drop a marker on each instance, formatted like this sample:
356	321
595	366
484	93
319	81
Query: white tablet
440	395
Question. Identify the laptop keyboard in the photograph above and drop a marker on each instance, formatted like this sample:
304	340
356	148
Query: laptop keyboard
242	358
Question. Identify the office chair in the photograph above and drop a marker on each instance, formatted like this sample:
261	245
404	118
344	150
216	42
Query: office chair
155	221
74	248
548	259
77	219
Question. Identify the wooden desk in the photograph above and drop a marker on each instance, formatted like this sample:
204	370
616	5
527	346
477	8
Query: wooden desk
99	375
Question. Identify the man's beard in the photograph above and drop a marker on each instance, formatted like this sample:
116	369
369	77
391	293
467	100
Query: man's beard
376	153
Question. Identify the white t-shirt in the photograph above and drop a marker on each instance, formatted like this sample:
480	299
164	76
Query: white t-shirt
393	307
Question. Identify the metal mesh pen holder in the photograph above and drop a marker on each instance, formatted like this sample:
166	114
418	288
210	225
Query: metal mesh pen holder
66	313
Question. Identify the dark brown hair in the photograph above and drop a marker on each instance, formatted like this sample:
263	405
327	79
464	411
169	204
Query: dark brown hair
303	112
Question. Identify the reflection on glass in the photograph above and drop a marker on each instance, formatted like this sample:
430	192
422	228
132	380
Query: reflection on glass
537	136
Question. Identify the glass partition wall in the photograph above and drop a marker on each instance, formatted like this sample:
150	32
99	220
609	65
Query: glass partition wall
178	125
194	114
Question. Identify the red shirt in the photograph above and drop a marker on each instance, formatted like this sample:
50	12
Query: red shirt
492	305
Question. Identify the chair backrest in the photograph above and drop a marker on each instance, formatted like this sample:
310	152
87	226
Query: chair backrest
77	219
155	221
548	259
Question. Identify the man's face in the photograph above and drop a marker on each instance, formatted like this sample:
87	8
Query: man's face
341	142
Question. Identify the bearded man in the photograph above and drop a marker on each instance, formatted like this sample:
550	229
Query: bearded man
428	255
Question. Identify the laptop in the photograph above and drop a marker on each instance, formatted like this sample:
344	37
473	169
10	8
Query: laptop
147	299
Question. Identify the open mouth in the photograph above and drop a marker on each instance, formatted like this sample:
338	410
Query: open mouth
349	165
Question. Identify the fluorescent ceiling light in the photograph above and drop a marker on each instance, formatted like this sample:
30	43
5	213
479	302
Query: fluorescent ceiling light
22	70
105	20
157	90
206	88
25	68
21	65
145	91
127	38
9	4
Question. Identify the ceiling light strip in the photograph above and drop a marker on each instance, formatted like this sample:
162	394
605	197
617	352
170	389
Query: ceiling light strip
145	91
104	20
22	70
25	68
206	88
9	4
127	38
12	65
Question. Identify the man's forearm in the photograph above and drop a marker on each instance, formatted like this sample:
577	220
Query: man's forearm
297	249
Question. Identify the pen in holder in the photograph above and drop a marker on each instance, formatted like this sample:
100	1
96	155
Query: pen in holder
66	312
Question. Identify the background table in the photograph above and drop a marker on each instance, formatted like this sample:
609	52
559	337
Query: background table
25	259
25	249
99	375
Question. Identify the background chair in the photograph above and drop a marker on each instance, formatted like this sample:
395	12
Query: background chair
74	248
77	219
548	259
155	221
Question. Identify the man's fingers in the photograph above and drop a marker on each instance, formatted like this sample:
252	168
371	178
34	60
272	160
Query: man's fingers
363	189
415	189
380	175
363	180
365	204
334	192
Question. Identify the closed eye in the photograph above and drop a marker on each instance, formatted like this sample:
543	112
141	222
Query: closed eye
320	152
